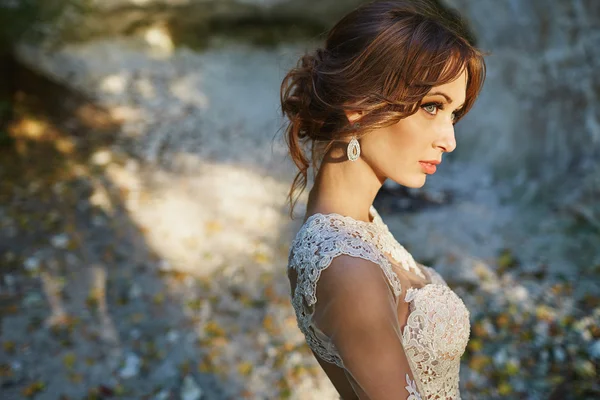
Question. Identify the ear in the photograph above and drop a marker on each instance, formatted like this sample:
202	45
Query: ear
353	116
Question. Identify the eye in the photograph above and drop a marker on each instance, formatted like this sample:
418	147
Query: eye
432	108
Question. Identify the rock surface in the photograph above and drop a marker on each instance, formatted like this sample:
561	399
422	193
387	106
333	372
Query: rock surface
538	115
79	21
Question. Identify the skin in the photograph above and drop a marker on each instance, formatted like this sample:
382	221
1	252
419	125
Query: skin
349	187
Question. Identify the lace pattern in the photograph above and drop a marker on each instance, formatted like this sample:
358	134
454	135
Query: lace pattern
435	337
319	241
388	244
412	389
437	330
324	237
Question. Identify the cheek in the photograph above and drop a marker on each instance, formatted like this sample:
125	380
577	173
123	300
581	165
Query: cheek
407	135
397	145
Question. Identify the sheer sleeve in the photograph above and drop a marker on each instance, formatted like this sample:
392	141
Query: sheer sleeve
358	312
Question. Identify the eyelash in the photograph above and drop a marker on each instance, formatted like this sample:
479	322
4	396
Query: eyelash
457	114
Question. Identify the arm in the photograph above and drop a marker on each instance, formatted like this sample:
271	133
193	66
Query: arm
357	311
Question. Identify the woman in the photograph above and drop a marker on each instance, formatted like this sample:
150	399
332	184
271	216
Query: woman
378	102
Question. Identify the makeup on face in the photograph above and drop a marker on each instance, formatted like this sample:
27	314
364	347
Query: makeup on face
432	107
428	168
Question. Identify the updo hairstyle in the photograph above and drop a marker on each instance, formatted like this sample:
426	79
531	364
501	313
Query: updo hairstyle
380	59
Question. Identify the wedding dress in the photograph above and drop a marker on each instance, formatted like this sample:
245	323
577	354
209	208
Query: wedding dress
392	325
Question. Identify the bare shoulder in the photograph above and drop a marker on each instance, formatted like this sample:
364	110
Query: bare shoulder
349	273
356	290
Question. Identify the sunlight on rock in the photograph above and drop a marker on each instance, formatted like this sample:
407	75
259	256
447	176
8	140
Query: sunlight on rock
223	214
166	2
52	289
125	113
114	84
101	199
186	90
145	88
520	294
64	145
159	39
101	158
31	129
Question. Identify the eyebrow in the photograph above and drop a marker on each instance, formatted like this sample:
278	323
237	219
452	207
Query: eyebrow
448	98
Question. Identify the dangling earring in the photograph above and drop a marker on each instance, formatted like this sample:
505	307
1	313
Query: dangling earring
353	149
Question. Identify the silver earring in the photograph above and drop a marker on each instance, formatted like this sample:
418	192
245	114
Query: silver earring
353	150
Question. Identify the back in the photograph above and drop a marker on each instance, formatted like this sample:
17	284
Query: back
355	321
371	315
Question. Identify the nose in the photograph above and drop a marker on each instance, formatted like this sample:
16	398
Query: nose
446	140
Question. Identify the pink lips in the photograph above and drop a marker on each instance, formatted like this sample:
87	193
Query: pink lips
428	167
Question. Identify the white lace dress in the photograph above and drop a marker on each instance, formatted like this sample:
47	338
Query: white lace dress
394	326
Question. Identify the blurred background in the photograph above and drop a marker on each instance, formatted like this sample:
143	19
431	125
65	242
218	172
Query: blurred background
143	176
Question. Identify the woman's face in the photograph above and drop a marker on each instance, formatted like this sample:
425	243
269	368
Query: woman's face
397	152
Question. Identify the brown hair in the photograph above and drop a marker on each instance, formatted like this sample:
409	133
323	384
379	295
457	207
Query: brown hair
381	59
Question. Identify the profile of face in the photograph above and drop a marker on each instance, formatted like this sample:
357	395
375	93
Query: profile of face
397	152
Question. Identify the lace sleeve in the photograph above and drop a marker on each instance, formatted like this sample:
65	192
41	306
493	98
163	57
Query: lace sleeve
357	311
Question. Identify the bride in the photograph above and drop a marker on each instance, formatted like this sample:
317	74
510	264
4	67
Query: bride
379	101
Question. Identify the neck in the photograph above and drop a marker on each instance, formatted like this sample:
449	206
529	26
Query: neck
344	187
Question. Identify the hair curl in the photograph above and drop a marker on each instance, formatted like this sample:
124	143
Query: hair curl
380	59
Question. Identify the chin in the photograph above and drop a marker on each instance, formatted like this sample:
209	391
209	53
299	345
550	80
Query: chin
415	182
